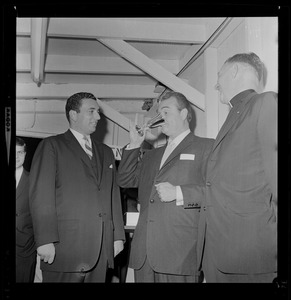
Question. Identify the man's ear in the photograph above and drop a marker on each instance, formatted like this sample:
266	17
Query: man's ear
184	113
234	70
73	115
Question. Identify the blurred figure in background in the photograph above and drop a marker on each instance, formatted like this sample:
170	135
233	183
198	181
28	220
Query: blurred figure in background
25	245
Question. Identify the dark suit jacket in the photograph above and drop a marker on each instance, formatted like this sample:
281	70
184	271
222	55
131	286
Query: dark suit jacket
240	210
74	203
25	245
166	233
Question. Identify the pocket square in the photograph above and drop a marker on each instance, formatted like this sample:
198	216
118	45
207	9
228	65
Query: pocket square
187	156
111	167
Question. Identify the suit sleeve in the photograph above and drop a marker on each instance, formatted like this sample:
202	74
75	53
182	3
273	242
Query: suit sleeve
267	134
194	194
116	207
129	169
42	194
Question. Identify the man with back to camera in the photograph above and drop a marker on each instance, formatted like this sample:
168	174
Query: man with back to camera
164	243
74	199
25	245
238	222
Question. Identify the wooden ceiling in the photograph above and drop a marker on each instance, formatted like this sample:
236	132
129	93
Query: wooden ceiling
116	58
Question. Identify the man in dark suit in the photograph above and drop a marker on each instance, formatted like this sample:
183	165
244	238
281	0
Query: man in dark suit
75	202
165	239
238	221
25	245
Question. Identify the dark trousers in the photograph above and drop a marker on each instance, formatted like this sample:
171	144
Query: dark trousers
96	274
147	274
25	268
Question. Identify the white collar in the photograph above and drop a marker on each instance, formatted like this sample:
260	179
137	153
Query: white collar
19	170
18	173
80	137
178	139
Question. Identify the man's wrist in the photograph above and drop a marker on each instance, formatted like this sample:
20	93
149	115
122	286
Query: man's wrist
179	196
132	146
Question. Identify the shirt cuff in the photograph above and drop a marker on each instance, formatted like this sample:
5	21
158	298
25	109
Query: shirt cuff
179	196
130	148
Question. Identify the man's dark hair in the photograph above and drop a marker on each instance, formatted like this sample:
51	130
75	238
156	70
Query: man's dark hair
181	101
75	102
20	142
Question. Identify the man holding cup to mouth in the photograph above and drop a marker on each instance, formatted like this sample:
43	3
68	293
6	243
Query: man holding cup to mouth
165	239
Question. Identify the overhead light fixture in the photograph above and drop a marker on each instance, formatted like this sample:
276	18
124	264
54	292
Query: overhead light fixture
38	44
159	88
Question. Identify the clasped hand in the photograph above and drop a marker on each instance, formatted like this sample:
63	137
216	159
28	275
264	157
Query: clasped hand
166	191
47	252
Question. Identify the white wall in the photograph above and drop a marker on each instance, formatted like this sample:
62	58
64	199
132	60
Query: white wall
194	74
262	38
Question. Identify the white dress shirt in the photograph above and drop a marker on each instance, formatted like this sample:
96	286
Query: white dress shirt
18	174
173	144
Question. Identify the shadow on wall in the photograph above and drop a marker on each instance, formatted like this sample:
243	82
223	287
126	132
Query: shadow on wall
193	123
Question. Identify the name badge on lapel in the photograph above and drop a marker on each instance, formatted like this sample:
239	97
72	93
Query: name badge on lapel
187	156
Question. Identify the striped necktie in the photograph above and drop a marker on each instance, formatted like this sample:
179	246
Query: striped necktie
88	149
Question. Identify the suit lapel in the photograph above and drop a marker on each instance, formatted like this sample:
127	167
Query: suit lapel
79	151
231	119
158	157
22	183
98	155
177	151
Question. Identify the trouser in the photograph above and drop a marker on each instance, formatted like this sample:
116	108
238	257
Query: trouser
25	268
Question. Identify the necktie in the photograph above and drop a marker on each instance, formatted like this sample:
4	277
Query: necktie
167	152
88	149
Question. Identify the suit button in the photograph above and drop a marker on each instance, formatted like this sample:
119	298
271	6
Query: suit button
208	183
100	215
152	201
204	208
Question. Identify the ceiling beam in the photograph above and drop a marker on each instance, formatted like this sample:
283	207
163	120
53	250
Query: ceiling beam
95	65
38	44
156	71
63	91
188	55
224	31
127	29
